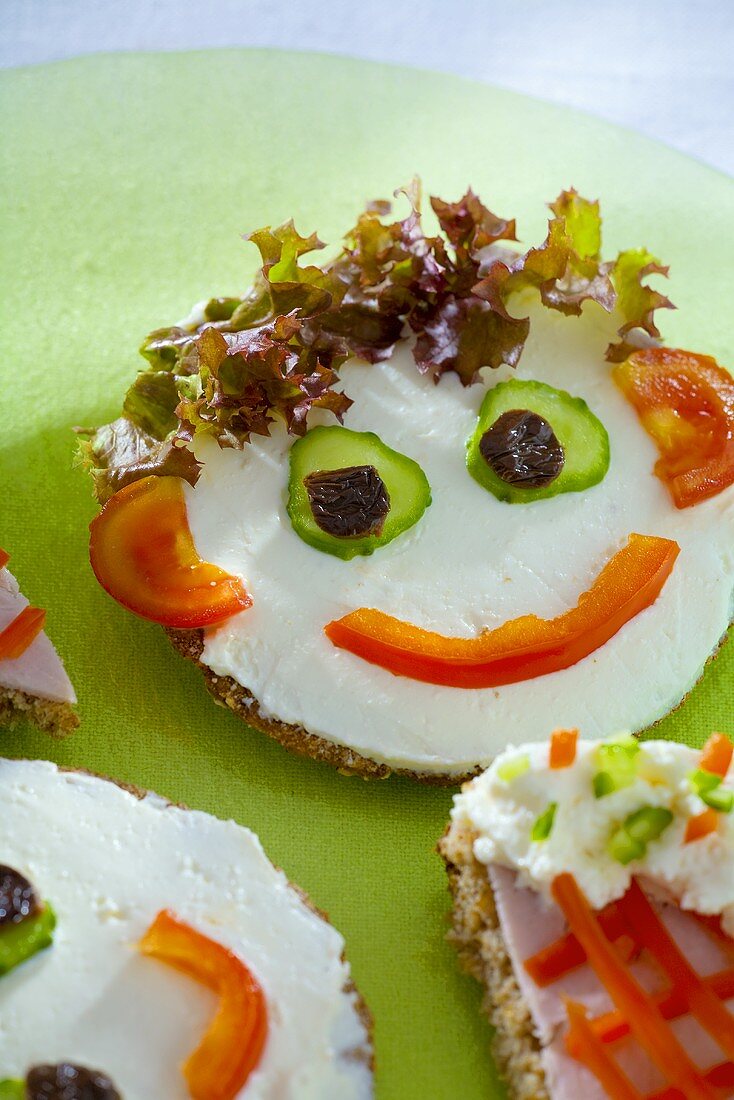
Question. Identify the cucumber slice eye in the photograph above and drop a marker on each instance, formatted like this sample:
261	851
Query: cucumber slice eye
533	441
349	493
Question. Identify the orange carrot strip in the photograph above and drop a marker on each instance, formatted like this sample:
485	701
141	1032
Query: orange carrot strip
566	953
18	634
563	748
702	1002
233	1044
721	1077
631	999
701	825
596	1057
4	558
716	754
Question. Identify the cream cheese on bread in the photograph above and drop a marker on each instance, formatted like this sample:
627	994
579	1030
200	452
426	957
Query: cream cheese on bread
108	862
471	562
500	808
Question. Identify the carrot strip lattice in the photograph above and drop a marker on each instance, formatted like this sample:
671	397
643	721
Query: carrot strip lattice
596	1057
631	999
4	558
721	1077
716	754
563	748
701	825
18	634
701	1000
566	953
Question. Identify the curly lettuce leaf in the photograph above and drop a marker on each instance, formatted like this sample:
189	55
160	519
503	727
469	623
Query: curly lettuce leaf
636	301
121	452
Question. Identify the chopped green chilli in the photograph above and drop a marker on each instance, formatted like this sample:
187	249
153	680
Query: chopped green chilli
707	786
513	768
533	441
630	840
618	762
349	493
541	830
19	942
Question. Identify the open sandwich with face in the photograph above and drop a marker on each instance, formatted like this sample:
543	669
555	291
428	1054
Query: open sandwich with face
594	899
403	502
151	951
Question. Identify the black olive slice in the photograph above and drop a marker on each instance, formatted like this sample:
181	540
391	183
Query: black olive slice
522	449
68	1082
348	503
17	897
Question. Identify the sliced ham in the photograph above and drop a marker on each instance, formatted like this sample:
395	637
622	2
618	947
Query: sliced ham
38	671
530	923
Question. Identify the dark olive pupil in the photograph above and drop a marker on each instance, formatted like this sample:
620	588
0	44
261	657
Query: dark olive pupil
522	449
17	897
348	503
67	1082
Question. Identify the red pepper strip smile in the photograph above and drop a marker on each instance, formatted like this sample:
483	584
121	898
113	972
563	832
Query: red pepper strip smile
521	648
233	1045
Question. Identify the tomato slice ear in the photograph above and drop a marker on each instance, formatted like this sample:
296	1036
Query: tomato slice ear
685	402
142	553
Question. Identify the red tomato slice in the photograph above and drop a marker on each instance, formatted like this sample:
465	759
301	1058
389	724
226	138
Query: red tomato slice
521	648
685	402
143	554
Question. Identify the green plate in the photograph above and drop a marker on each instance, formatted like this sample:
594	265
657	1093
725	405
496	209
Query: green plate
127	180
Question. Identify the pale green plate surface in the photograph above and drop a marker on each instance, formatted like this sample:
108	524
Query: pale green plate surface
127	180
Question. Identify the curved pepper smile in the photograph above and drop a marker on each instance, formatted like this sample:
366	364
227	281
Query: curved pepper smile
521	648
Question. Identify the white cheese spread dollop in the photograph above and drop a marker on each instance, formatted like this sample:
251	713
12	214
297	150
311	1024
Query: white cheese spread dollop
502	811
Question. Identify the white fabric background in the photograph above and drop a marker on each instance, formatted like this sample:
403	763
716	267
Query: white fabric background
664	67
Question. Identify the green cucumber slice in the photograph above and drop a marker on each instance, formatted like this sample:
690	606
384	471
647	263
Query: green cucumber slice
19	942
582	436
333	448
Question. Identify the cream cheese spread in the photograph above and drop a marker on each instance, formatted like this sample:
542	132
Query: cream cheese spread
108	862
501	808
471	562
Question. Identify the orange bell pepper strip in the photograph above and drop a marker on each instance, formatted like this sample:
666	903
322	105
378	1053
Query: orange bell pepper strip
633	1001
589	1049
701	825
685	402
716	754
563	748
521	648
4	558
20	632
232	1047
142	553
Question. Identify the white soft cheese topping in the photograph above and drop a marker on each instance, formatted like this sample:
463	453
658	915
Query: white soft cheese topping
699	875
108	863
471	562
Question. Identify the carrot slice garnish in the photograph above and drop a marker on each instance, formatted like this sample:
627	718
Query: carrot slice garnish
233	1045
596	1057
4	558
716	754
702	1002
563	748
701	825
636	1005
18	634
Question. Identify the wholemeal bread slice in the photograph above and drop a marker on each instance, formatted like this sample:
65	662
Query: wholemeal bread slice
477	935
51	716
195	864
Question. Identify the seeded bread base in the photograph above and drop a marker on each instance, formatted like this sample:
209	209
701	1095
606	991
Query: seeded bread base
58	719
364	1055
478	938
227	692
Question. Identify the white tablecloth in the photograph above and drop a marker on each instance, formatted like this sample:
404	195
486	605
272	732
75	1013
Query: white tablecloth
664	67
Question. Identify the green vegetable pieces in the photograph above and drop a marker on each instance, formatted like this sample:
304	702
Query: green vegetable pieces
630	840
19	942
